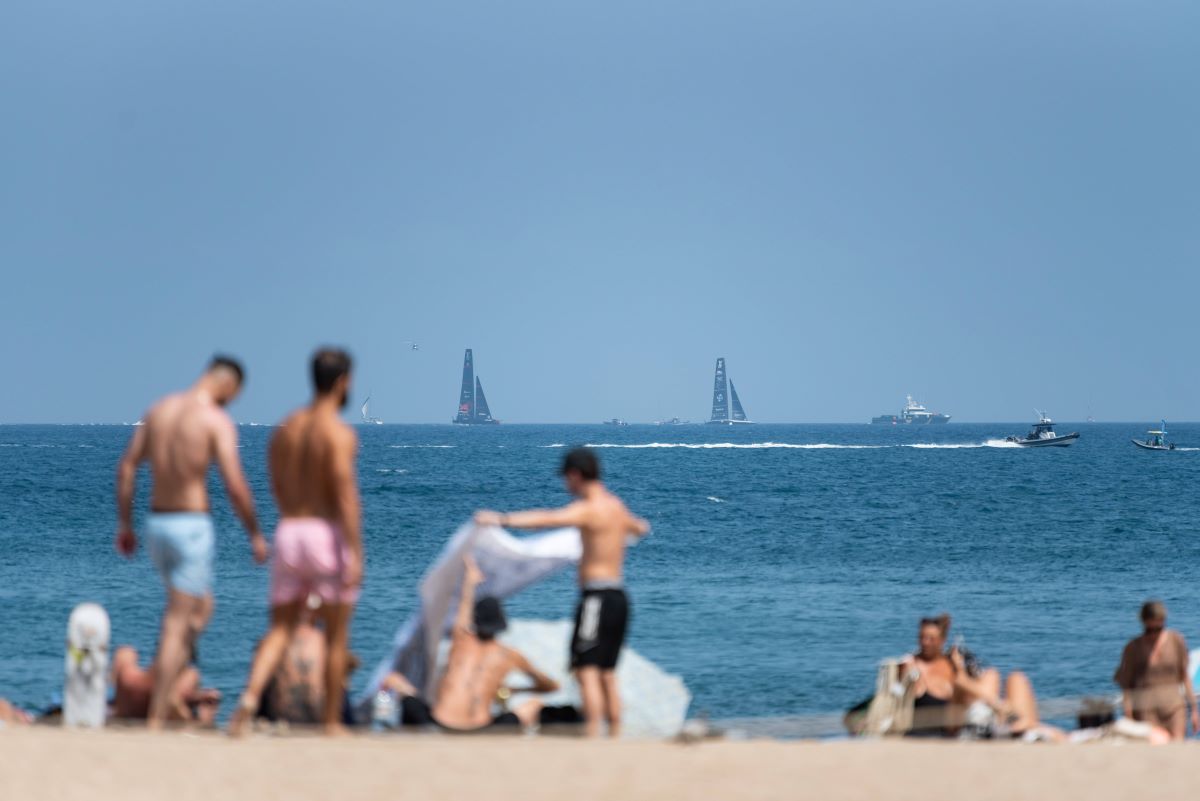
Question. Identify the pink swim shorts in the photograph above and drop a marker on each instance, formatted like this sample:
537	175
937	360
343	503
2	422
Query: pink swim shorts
309	556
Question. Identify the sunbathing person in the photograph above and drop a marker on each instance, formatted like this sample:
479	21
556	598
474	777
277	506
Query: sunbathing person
1153	676
133	687
952	692
12	716
295	693
475	673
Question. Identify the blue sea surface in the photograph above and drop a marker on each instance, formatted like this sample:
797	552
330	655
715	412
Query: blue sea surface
785	559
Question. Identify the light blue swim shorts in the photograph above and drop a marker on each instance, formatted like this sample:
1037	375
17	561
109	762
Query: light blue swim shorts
181	548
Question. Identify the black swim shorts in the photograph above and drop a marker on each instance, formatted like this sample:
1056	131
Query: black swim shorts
600	622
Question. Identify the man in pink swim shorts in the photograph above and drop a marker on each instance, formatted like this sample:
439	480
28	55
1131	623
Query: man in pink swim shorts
318	542
311	558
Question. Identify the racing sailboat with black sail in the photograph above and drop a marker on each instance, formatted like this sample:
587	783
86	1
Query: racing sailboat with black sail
472	403
726	405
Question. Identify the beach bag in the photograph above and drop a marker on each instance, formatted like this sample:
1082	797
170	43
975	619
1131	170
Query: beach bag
890	711
85	690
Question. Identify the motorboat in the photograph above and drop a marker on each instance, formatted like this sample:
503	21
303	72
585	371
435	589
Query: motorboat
616	421
1157	440
1042	435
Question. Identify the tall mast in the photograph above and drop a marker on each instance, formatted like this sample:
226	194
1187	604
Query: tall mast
466	398
720	403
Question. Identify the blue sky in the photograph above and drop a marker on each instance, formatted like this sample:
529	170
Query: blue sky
990	205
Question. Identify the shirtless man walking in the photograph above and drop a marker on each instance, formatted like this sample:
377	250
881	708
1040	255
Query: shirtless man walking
318	542
603	612
183	434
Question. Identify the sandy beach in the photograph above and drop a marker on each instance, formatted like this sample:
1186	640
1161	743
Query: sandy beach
132	765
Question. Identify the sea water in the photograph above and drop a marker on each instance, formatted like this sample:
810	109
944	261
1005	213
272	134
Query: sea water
784	562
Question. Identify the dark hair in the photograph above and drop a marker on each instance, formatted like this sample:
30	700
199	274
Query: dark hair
489	618
942	621
220	361
1096	712
1153	610
328	365
582	461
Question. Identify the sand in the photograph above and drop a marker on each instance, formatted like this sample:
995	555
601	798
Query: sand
45	763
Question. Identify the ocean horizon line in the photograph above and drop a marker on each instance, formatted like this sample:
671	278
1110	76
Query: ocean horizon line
652	424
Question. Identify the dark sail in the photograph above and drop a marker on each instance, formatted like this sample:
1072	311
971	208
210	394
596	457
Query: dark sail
720	403
482	413
466	398
738	412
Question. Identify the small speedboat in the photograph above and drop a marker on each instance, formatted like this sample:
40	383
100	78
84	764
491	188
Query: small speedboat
1042	435
1157	441
616	421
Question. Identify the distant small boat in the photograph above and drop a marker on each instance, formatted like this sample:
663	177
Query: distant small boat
674	421
1157	441
726	406
616	421
366	414
1042	435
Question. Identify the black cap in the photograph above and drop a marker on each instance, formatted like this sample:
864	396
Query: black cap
489	618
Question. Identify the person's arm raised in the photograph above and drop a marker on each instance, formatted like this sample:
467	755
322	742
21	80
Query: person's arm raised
472	578
135	454
567	516
345	484
230	467
541	682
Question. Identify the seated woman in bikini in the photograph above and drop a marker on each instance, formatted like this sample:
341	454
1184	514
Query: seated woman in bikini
946	688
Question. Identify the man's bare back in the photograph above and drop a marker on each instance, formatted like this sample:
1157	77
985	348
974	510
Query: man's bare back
604	525
474	674
477	666
184	433
310	453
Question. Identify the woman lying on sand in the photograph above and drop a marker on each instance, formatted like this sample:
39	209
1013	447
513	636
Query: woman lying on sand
952	693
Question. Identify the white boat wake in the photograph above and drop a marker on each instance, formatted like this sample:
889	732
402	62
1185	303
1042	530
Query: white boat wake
736	445
807	446
991	443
